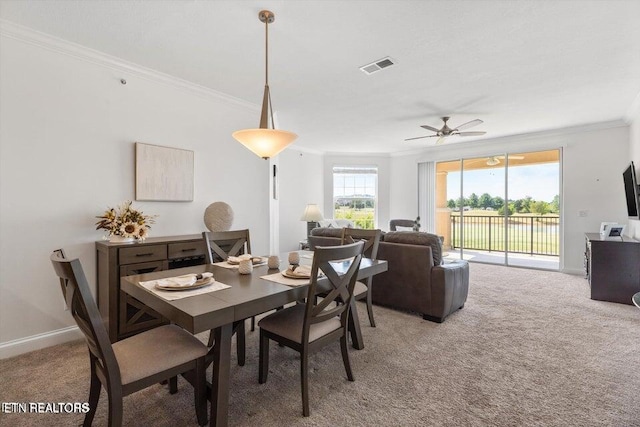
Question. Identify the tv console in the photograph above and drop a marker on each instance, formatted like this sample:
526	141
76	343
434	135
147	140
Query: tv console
613	267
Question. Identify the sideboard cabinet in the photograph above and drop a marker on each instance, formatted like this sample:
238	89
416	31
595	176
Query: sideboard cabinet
123	315
613	267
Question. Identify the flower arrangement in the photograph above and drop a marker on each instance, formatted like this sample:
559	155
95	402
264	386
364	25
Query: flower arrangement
125	221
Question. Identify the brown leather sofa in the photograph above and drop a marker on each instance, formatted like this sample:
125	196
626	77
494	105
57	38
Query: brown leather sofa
324	236
416	279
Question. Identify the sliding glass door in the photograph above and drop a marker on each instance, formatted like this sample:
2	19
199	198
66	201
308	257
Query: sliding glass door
534	209
501	209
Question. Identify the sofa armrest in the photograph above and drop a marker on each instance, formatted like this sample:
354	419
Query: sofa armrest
449	288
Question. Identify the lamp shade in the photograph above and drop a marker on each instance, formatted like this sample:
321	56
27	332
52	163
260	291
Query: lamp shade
311	213
265	143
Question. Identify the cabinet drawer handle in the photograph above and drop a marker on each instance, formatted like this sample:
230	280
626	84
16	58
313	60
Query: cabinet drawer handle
145	254
189	250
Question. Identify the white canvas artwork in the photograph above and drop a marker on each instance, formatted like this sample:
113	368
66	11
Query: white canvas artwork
163	173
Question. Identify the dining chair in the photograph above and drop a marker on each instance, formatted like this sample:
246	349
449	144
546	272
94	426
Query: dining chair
309	326
371	239
136	362
221	245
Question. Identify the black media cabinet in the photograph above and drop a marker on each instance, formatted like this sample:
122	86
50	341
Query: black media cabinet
613	267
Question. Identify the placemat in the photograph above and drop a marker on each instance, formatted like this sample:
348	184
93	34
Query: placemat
174	295
279	278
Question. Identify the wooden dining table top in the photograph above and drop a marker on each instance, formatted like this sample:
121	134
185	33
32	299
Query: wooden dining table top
248	295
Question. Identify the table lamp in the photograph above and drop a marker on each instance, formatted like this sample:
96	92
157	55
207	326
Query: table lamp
311	215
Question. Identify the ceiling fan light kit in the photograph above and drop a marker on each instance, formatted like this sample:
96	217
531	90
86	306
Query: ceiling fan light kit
265	142
493	161
446	131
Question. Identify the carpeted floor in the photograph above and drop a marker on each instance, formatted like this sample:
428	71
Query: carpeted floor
529	349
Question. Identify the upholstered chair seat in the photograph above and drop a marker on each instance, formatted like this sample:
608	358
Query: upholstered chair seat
157	350
288	324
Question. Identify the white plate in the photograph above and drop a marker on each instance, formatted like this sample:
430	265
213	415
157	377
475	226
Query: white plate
293	276
198	284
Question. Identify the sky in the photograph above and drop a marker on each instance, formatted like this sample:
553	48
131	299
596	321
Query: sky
541	182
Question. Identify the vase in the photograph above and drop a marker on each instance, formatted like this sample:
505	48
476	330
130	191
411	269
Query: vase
120	239
245	266
294	258
273	262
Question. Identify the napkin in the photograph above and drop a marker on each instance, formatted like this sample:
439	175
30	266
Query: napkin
237	259
183	281
303	271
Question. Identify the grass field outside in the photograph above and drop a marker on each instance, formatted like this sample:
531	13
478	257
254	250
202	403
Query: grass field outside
363	218
527	233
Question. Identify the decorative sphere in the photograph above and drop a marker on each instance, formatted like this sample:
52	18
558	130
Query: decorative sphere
218	216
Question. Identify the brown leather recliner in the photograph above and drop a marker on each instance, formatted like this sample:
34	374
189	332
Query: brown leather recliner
416	280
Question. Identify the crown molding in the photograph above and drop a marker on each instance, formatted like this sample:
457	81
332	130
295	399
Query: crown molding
521	137
633	111
352	154
305	150
83	53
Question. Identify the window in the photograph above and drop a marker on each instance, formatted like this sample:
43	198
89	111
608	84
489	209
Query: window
355	191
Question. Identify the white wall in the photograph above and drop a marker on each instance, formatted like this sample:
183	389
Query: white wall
381	162
593	160
403	178
300	182
67	153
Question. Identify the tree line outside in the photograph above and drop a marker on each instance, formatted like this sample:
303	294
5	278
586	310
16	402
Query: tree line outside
525	205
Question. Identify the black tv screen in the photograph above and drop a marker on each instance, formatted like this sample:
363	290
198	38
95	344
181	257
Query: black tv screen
631	190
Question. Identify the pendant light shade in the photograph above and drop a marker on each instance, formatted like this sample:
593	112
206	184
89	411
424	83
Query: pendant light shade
265	142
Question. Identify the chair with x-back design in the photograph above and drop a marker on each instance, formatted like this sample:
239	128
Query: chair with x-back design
136	362
309	326
220	246
371	239
223	244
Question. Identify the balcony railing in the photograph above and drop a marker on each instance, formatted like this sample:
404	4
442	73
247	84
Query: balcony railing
534	235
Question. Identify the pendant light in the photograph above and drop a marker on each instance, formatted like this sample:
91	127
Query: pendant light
265	142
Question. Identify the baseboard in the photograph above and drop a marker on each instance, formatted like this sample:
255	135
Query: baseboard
36	342
575	271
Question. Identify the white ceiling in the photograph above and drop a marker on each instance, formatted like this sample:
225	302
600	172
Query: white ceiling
521	66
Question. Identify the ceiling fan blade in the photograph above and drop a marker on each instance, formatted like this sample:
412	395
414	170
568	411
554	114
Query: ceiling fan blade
511	156
441	140
476	133
430	128
418	137
475	122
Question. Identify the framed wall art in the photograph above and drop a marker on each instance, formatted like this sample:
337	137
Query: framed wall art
163	173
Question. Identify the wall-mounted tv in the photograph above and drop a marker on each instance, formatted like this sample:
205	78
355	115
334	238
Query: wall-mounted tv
631	191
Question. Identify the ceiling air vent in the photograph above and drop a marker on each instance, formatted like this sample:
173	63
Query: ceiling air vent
377	65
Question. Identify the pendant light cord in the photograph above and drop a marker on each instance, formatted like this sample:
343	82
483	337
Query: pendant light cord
266	70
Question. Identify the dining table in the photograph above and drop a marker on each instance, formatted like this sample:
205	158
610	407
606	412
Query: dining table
244	296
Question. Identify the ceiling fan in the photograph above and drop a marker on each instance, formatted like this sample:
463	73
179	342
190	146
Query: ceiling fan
495	160
446	131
